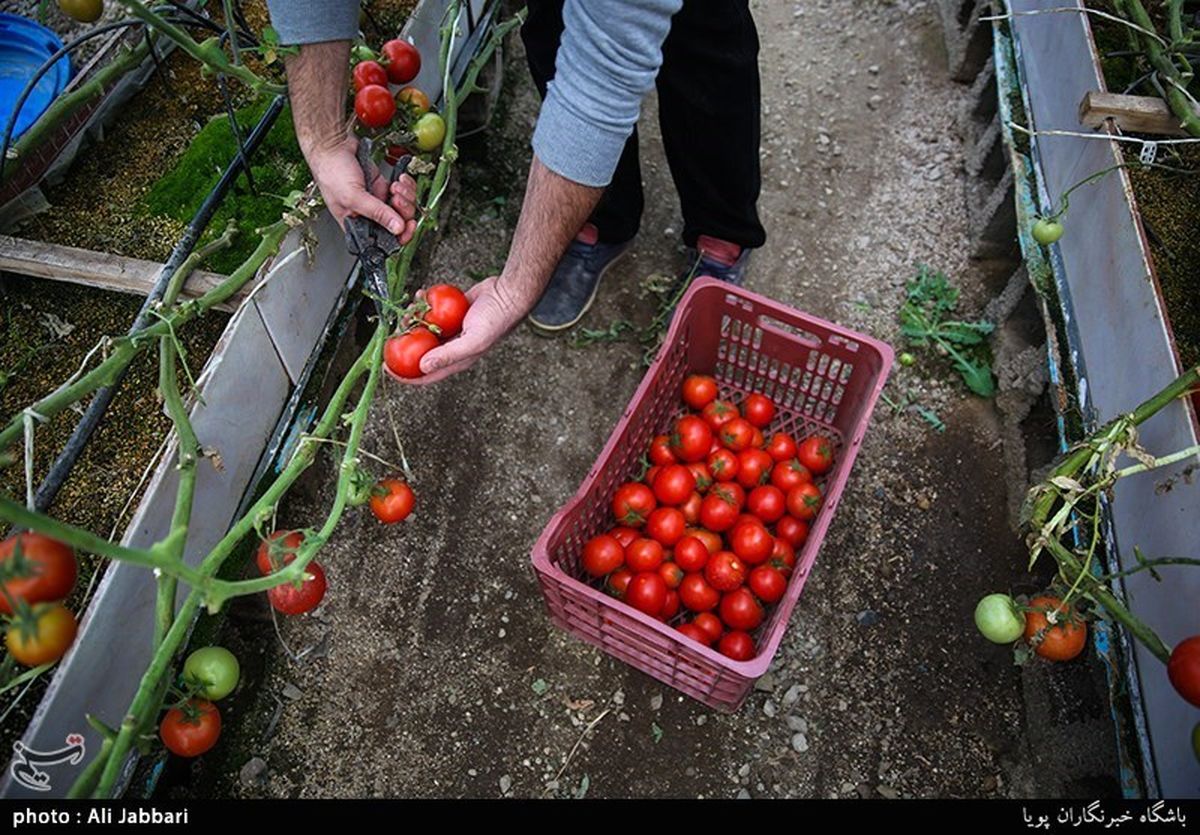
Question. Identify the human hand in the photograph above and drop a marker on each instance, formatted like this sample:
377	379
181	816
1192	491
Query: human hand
340	178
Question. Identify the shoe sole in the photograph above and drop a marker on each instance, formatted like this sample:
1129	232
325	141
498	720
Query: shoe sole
550	330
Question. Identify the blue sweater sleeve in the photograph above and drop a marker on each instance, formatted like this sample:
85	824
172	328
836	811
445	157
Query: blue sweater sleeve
311	21
608	58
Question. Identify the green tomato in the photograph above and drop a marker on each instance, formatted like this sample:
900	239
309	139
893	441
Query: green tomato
906	359
999	620
430	130
85	11
361	52
213	670
1046	231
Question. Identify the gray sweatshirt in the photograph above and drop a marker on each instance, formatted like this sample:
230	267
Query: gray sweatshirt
607	61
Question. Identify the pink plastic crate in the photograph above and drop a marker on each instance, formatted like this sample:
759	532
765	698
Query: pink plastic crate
823	379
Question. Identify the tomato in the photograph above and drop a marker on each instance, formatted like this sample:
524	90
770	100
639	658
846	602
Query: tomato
374	106
725	572
791	530
415	100
702	476
85	11
737	645
429	130
666	525
737	434
632	504
767	503
644	555
718	512
691	554
1046	230
723	465
816	454
40	569
906	359
602	555
998	619
671	573
647	593
752	542
691	508
392	501
767	583
1183	669
670	607
718	413
712	541
277	550
732	492
447	308
44	635
691	438
804	501
191	730
623	535
697	595
403	353
362	52
754	468
781	447
699	390
393	153
651	474
212	671
367	73
741	610
673	484
783	556
660	451
690	630
1060	642
402	59
758	409
618	582
292	600
790	473
711	624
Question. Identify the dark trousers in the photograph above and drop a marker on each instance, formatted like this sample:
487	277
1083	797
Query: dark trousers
709	113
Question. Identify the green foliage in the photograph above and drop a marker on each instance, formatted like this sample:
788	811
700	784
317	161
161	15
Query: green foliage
277	166
923	321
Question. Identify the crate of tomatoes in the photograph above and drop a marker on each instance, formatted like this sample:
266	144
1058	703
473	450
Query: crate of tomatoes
687	546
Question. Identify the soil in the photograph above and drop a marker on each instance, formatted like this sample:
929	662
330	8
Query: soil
432	670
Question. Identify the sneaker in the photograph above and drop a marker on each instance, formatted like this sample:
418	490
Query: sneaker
720	259
576	279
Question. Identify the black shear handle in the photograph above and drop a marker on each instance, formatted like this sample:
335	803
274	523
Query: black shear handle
363	232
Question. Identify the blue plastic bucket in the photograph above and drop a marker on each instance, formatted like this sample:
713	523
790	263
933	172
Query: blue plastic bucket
24	46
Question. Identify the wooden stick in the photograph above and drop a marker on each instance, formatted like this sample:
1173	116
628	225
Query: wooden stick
1134	114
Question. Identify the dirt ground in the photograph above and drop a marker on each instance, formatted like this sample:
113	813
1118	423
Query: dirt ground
434	670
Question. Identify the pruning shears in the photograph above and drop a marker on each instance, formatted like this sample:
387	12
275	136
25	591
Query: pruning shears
365	238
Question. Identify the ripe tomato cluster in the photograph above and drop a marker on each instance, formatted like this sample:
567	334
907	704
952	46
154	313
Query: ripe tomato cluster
405	116
193	724
37	574
439	316
709	536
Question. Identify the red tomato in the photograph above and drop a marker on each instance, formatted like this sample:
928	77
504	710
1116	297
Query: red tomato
290	600
673	484
274	552
736	645
691	438
816	453
392	501
691	508
723	465
660	451
394	152
767	503
760	440
647	593
403	353
632	504
792	531
718	413
691	554
759	410
741	610
697	595
731	491
41	569
725	572
767	583
695	633
447	308
712	541
790	473
752	542
737	434
1183	669
804	501
374	106
618	582
602	555
651	474
718	512
666	525
781	447
754	468
402	60
623	535
783	556
711	624
671	573
644	555
367	73
703	477
191	730
670	607
699	390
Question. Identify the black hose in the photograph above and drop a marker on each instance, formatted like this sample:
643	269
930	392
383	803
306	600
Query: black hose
94	413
